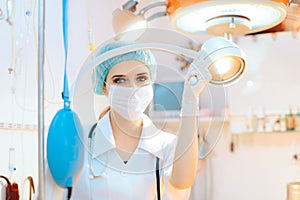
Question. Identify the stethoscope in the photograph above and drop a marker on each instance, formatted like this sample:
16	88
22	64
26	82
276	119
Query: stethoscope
92	175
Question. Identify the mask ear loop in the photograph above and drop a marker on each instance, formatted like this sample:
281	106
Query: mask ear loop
106	85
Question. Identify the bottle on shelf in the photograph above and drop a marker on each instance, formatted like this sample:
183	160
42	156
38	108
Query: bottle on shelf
277	124
290	121
260	120
293	191
282	122
250	123
297	120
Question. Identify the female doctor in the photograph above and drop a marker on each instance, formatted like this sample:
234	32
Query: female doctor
128	157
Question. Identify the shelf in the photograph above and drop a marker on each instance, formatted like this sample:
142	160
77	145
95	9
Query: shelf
267	133
178	119
18	127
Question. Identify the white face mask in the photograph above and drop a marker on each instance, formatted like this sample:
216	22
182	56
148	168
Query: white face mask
130	102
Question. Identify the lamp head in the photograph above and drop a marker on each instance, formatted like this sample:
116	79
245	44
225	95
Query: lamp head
127	25
226	16
227	62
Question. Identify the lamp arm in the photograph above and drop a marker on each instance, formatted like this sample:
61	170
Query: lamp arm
156	15
130	5
153	5
121	50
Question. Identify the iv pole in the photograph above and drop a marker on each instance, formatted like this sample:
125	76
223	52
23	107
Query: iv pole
41	139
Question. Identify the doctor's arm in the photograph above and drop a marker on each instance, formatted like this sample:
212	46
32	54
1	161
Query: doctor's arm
186	153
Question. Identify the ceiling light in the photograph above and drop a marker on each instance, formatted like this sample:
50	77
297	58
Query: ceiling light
226	16
215	17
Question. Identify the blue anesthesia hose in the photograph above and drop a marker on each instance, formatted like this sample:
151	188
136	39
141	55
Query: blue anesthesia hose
65	152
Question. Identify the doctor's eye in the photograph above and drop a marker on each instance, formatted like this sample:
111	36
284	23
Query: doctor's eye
119	80
143	78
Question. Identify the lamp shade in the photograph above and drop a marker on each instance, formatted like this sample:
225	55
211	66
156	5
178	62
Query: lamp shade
227	16
227	62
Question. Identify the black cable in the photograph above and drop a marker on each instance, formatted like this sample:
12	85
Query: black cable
91	133
157	179
69	193
6	179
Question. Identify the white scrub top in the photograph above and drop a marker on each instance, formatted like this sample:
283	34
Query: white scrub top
109	178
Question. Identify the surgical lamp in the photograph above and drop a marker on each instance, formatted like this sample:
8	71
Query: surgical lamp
215	17
225	61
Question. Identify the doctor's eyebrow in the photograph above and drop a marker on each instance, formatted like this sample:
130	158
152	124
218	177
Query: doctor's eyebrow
143	74
117	76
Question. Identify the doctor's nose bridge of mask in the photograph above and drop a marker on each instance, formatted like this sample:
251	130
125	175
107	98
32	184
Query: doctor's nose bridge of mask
91	171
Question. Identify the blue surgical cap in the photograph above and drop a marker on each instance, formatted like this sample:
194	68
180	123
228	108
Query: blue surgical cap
100	72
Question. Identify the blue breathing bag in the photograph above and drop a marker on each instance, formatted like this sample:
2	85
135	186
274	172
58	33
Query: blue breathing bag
65	149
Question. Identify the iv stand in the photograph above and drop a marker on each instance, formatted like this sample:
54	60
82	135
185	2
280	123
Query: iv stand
41	139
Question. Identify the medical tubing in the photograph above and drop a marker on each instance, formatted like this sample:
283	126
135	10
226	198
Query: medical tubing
138	46
31	187
157	178
65	36
69	193
9	11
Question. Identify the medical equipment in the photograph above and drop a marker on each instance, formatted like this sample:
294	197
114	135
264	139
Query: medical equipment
31	186
65	141
11	161
212	17
12	190
9	12
90	140
9	9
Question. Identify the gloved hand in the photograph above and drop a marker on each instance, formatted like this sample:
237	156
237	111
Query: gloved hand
196	79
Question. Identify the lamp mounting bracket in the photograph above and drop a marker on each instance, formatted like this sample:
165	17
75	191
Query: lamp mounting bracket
130	5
